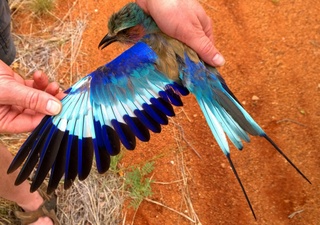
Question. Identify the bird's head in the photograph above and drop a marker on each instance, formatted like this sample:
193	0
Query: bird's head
128	25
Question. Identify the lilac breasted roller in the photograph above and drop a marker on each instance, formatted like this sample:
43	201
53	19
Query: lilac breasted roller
126	99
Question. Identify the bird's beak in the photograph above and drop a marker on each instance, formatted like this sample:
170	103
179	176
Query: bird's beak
107	40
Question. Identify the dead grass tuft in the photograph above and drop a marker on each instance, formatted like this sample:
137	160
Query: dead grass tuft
54	49
96	200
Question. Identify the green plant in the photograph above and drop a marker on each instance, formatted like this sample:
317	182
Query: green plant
138	184
40	7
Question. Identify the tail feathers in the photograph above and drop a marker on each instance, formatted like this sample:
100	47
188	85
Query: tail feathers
286	157
237	112
215	126
230	126
229	106
224	114
241	185
221	122
214	71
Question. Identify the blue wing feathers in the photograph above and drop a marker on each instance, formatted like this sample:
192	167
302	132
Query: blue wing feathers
71	161
143	116
48	158
126	136
171	97
110	138
58	167
27	146
179	89
137	128
162	106
105	135
33	156
155	113
102	159
119	102
86	147
116	103
148	121
101	153
85	158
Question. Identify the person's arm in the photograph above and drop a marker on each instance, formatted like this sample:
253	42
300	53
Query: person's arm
186	21
23	103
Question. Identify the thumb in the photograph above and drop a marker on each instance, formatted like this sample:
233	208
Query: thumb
39	101
207	51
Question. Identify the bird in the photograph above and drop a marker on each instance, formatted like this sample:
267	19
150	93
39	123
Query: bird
128	98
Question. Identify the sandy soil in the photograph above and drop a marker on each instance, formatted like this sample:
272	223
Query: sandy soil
272	50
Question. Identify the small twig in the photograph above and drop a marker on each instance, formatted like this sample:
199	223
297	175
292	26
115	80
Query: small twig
134	215
184	138
68	13
15	6
315	43
184	112
292	121
295	213
208	5
166	183
124	218
171	209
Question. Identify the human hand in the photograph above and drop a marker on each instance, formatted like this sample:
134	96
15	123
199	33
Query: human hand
23	103
186	21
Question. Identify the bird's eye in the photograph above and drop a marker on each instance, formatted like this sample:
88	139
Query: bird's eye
123	32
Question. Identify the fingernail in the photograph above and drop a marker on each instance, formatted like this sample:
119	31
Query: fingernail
218	60
53	107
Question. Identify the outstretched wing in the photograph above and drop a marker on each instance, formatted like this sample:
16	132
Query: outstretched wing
114	104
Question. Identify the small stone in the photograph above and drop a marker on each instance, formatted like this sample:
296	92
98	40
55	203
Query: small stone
255	98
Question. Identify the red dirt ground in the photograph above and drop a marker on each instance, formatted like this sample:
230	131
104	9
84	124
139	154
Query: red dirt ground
272	50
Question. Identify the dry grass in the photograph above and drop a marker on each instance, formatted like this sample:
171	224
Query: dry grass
96	200
184	173
54	49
